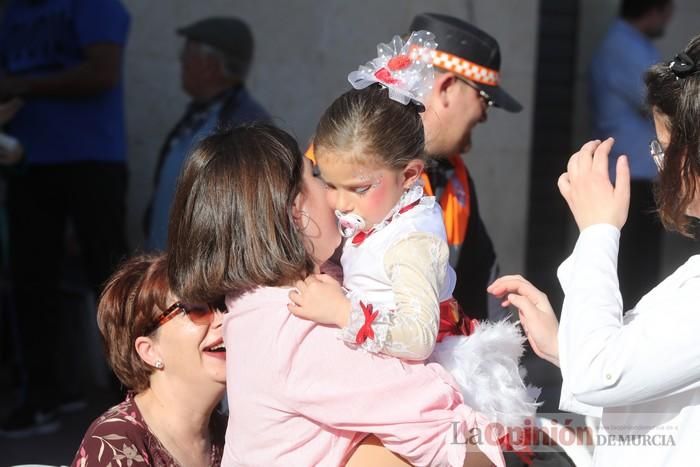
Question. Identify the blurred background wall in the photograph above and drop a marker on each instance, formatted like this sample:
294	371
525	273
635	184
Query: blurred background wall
304	50
595	17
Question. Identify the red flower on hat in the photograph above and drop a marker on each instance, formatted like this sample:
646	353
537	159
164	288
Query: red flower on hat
399	62
384	76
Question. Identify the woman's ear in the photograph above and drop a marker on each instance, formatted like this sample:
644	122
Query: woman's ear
148	351
297	209
412	172
298	213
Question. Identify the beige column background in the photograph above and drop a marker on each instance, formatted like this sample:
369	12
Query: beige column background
304	51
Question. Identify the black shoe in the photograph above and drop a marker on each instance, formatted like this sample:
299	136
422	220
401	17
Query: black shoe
26	421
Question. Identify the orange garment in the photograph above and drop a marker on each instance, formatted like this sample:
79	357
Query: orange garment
454	201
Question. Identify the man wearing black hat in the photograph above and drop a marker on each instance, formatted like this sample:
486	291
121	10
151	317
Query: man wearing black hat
468	61
214	63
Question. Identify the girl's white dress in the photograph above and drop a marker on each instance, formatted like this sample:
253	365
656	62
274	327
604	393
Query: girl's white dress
397	275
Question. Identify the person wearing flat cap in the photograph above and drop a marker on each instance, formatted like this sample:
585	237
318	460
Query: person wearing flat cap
215	60
467	84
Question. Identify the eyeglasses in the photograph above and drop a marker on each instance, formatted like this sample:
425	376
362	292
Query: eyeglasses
657	153
199	315
482	94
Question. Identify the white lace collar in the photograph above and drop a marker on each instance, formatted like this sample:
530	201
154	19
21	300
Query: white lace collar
410	196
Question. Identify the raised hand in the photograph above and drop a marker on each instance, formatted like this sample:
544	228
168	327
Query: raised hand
587	188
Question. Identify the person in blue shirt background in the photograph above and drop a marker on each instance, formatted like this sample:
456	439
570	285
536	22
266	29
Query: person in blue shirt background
215	60
63	58
617	96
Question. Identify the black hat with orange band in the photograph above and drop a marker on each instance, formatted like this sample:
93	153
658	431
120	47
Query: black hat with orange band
468	52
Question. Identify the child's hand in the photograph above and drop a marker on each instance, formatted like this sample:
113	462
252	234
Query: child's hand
320	298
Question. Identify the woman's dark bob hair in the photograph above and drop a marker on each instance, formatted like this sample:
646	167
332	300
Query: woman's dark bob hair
676	101
231	224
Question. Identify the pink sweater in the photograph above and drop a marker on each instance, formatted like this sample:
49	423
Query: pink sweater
299	396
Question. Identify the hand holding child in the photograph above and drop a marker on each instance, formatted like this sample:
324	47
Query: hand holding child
320	298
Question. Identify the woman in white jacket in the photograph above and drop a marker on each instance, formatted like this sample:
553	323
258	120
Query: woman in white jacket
640	372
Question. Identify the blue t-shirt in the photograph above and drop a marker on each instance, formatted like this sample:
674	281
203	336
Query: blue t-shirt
617	94
43	37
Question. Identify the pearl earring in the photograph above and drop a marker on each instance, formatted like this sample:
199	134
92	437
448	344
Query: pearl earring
159	364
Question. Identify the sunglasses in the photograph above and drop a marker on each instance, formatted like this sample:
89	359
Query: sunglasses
482	94
198	314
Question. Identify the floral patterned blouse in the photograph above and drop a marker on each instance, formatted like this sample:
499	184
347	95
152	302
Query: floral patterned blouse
120	438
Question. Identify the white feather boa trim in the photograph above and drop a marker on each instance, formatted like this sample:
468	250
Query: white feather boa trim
485	365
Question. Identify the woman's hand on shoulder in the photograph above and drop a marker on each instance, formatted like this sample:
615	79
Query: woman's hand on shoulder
587	189
320	298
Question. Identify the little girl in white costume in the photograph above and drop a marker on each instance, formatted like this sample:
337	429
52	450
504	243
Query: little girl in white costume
369	147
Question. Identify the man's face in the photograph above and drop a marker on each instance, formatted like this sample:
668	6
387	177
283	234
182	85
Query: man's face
451	114
659	18
193	68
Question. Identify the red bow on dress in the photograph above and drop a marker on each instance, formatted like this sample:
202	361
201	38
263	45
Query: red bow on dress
453	321
366	331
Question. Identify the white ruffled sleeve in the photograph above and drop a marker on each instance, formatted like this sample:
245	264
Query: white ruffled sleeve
416	266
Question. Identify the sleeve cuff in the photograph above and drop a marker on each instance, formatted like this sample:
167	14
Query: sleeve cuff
568	403
373	336
596	233
592	237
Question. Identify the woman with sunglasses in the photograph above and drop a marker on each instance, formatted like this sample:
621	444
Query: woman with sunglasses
640	371
171	358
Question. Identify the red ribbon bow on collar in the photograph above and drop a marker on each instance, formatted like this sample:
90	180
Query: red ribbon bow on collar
361	236
366	331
